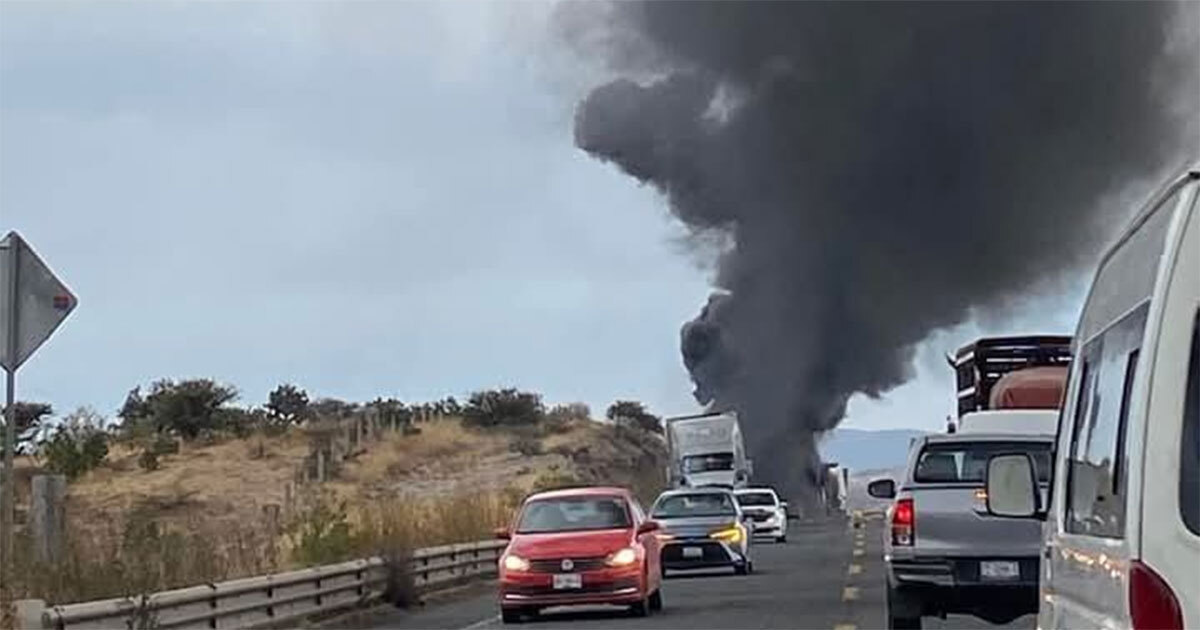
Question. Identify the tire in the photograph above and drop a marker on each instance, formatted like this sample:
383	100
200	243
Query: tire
640	609
656	600
903	611
782	539
741	569
510	615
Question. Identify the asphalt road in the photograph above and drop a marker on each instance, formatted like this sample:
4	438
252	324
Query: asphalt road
829	575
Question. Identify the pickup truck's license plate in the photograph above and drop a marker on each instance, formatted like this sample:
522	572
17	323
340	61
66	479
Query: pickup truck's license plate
567	580
999	570
693	552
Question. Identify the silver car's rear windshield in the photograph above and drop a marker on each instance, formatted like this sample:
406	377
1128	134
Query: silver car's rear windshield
700	504
965	462
755	499
573	514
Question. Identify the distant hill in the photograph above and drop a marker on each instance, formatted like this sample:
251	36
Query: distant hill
862	450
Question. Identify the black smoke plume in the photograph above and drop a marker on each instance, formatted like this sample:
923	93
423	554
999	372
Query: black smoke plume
881	169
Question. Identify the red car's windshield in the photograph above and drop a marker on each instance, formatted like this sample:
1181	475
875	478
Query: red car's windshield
573	514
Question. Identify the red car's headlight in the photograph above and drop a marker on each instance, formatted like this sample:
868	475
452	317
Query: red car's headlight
515	563
622	558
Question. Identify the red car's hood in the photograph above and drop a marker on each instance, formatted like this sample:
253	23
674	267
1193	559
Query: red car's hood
570	544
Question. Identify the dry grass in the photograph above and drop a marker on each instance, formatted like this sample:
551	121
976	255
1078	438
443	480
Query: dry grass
142	554
200	516
222	481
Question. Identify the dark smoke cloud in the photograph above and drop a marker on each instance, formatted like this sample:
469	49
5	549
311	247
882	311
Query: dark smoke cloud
881	169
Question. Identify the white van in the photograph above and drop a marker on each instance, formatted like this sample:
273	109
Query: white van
1121	541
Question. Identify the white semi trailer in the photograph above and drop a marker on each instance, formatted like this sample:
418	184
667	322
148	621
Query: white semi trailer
706	450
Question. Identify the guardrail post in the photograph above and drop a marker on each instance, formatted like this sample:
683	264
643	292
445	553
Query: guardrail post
213	604
31	614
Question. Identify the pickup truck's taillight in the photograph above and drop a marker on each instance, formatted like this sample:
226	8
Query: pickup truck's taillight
904	519
1152	604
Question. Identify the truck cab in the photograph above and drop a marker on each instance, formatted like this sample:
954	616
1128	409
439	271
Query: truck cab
706	450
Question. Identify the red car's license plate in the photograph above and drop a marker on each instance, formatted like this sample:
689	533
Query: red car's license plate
564	581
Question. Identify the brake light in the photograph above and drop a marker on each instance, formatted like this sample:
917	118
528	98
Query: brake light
903	523
1151	602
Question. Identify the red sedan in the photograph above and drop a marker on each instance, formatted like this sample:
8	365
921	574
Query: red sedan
581	546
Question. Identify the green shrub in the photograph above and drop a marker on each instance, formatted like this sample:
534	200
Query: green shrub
78	445
321	534
633	414
287	404
503	407
189	408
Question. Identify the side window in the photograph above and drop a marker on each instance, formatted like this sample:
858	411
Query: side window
1189	455
1095	462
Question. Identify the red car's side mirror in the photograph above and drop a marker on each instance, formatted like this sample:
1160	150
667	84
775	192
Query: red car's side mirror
648	526
502	533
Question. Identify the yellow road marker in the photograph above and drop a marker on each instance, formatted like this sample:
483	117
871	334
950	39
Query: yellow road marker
860	551
855	569
850	593
845	626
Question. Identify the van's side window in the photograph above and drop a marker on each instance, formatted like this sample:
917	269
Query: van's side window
1096	470
1189	455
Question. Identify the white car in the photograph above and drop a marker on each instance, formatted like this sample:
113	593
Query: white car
765	512
1121	539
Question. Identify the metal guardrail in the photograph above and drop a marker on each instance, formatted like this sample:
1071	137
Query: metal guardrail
270	600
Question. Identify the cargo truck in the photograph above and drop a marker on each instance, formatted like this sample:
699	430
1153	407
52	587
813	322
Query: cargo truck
706	450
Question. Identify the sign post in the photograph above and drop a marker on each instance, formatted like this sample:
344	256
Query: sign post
33	302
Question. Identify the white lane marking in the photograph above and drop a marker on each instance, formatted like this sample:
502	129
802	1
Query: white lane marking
850	593
855	569
481	623
845	626
859	552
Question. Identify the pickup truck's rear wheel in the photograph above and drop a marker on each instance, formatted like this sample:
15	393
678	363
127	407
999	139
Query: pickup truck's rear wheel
903	610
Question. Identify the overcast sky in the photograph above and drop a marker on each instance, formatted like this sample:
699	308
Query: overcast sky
365	199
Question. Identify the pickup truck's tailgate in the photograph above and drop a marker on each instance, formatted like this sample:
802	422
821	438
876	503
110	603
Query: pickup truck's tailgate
948	524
